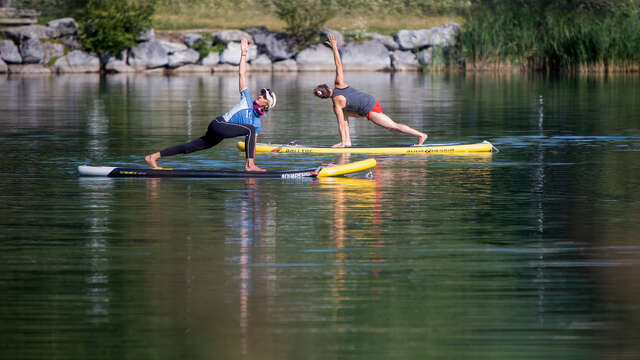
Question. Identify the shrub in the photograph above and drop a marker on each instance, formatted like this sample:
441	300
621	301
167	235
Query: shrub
52	61
305	18
109	26
203	47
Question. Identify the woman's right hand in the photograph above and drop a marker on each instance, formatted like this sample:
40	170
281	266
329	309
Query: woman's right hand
244	46
331	41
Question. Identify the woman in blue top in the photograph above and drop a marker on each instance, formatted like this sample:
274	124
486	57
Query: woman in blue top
348	101
242	120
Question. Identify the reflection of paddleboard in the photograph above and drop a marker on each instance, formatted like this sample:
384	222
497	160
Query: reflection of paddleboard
359	185
321	171
484	146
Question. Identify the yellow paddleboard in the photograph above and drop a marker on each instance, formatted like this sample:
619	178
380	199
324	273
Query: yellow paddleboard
349	168
484	146
320	172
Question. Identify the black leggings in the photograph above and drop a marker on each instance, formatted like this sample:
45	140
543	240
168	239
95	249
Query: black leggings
218	129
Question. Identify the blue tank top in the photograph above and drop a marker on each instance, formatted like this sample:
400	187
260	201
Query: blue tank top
357	101
242	112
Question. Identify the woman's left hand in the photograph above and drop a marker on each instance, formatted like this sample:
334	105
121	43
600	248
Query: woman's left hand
332	41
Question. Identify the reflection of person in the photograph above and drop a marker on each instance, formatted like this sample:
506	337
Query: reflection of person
348	101
242	120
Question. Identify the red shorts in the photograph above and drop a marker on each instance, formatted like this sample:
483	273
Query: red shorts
376	109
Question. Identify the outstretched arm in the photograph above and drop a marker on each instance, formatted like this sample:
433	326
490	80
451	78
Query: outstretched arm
331	41
244	48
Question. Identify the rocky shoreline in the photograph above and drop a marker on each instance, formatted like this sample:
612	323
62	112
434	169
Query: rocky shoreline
54	48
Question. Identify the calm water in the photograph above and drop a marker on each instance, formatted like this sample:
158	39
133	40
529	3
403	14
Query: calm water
530	253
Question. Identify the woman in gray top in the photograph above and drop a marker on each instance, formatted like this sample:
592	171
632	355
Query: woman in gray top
348	101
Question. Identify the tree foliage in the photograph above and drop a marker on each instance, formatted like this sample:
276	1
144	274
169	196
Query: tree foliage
109	26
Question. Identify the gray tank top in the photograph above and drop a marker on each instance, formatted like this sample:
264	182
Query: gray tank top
357	101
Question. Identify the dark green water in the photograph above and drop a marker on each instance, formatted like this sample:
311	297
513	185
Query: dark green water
530	253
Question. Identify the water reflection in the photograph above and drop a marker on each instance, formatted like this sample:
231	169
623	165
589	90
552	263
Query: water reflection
352	201
98	209
257	246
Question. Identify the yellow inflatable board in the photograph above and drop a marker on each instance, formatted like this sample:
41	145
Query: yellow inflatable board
484	146
322	171
349	168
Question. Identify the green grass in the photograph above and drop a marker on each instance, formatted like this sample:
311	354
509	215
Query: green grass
52	61
222	14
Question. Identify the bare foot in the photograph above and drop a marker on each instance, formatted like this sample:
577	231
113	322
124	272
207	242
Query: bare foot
254	169
250	166
340	145
421	139
151	160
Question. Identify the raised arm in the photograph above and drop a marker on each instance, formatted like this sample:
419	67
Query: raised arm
244	48
333	43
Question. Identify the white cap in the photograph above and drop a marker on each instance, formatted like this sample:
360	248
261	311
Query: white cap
270	96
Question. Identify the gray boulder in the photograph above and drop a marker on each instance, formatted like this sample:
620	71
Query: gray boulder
445	35
386	40
51	50
149	54
288	65
173	47
31	51
225	68
212	59
147	35
28	69
425	56
231	54
183	57
404	61
315	58
277	46
118	64
262	59
3	67
77	62
65	26
115	65
227	36
9	52
368	55
71	42
261	63
190	69
21	33
438	56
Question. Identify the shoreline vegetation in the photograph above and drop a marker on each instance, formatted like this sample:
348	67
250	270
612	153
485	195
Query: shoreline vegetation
575	36
562	35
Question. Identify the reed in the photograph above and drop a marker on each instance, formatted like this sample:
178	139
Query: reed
553	40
